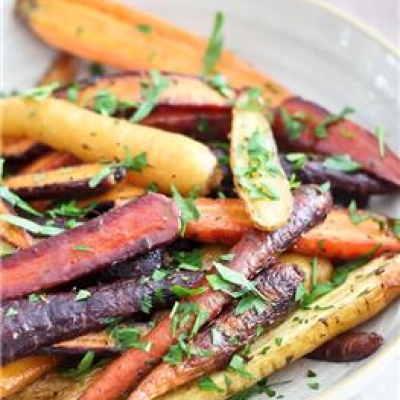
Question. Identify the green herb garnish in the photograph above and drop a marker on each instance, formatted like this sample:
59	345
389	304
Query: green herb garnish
297	160
82	247
82	294
380	137
187	207
321	130
11	312
31	226
144	28
207	384
342	162
150	95
41	92
215	45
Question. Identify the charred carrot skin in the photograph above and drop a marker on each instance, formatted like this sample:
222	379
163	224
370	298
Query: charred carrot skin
225	221
61	316
343	137
277	283
348	347
136	227
255	251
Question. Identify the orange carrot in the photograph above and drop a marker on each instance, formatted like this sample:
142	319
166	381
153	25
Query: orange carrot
62	70
225	221
256	250
109	33
50	161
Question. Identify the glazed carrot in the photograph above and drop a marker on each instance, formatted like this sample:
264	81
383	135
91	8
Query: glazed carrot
225	221
343	137
19	374
50	161
62	70
255	251
171	159
132	229
11	234
111	34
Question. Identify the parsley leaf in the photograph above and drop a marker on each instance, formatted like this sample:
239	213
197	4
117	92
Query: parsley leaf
356	217
297	160
11	312
207	384
16	201
238	365
105	103
182	291
82	247
73	92
31	226
294	124
189	260
83	294
128	338
342	162
187	207
220	83
321	130
150	94
380	137
144	28
215	45
41	92
83	367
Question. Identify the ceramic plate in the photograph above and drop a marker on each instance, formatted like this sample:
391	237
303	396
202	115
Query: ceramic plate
314	51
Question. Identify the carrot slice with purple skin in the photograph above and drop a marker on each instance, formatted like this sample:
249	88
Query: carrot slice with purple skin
342	137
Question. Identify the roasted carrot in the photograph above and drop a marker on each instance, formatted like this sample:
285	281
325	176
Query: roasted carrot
255	251
110	34
122	233
19	374
50	161
76	181
312	132
278	284
99	138
340	237
12	234
225	221
62	70
18	151
187	105
348	347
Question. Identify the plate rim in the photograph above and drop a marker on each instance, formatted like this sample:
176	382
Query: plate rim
357	23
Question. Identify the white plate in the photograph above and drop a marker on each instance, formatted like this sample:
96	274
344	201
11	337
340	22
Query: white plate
315	52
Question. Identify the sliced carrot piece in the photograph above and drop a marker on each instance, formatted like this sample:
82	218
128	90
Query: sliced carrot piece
106	32
225	221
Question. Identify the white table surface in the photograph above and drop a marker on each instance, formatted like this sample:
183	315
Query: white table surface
384	17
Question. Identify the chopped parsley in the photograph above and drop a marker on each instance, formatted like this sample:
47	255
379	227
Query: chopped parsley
261	165
342	162
296	160
186	206
215	45
396	228
137	164
31	226
220	83
73	92
324	187
150	95
11	312
70	209
128	338
82	247
293	124
15	201
82	294
355	216
321	130
238	366
188	260
380	137
207	384
83	368
181	291
144	28
248	302
35	298
261	387
313	385
105	103
251	100
41	92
